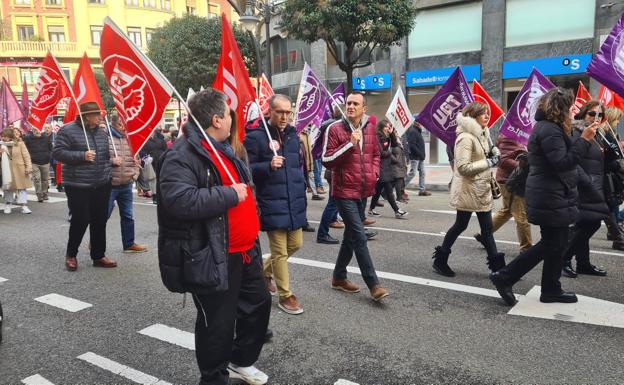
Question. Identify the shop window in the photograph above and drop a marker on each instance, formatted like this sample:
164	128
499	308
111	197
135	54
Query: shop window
134	34
446	30
96	34
213	10
289	55
56	33
132	3
25	32
96	2
557	20
22	2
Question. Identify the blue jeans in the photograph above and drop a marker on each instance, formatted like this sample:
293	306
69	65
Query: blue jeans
123	195
354	241
420	166
330	214
317	168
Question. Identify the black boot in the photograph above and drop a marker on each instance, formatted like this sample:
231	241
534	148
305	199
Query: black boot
618	244
584	267
504	289
568	271
479	239
613	231
440	262
496	262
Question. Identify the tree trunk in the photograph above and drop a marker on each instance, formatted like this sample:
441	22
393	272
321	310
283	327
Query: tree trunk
349	85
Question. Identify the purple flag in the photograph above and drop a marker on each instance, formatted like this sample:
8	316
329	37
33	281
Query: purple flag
338	96
607	66
9	107
438	116
521	116
311	100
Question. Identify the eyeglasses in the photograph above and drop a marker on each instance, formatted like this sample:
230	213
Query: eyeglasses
283	113
594	113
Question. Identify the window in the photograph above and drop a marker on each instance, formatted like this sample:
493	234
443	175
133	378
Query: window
213	10
149	3
456	28
96	1
525	26
132	3
25	32
30	75
22	2
134	33
289	55
96	34
148	34
165	4
56	33
54	2
190	10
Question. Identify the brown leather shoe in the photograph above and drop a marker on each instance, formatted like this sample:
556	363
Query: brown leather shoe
336	225
104	262
71	263
368	221
135	249
320	190
345	285
378	292
270	285
424	194
290	305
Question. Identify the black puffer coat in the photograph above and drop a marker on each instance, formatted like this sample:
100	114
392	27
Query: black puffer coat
39	148
388	159
551	187
154	147
592	205
69	149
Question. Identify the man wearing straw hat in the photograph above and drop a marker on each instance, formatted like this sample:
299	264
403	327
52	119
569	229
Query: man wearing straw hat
83	149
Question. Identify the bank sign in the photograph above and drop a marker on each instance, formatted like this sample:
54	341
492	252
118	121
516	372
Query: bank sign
373	82
440	76
560	65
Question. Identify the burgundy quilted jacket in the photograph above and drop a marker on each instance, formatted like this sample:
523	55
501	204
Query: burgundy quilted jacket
354	171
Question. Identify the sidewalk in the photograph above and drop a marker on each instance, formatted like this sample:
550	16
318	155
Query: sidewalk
437	178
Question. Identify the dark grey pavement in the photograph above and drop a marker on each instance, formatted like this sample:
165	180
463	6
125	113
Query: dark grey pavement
419	335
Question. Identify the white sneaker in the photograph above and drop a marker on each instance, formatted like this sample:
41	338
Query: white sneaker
400	214
7	208
249	374
26	210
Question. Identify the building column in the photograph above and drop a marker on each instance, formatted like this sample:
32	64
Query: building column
318	61
492	48
398	66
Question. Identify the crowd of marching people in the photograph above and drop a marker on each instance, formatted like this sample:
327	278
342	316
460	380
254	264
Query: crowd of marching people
215	190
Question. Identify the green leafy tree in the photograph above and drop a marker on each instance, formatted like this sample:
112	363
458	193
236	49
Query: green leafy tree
107	97
187	50
362	25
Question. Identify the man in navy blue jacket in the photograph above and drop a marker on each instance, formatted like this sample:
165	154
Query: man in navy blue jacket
280	193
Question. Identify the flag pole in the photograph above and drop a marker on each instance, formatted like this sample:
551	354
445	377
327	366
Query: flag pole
337	105
266	128
111	134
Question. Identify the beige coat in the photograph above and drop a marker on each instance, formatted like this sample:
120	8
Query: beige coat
20	166
307	150
470	189
127	172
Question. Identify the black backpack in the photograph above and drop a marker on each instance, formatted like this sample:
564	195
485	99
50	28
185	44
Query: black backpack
516	183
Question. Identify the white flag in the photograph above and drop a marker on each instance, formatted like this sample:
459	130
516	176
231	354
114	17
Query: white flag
399	114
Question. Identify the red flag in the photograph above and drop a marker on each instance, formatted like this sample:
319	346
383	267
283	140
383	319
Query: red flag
85	89
483	97
266	92
25	104
610	98
51	87
9	107
140	90
232	77
582	97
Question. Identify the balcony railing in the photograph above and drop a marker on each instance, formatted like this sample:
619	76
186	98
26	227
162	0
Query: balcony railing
36	48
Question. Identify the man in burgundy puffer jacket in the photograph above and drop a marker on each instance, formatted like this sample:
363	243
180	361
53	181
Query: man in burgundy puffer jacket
351	151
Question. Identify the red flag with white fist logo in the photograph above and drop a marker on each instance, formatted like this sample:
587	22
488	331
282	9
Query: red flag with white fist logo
51	87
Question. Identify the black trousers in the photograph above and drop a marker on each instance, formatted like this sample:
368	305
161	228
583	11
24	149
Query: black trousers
88	207
461	224
579	242
550	249
388	189
231	326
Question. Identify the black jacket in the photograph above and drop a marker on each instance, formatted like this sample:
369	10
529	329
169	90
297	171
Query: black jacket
551	187
192	218
69	149
39	147
281	193
416	143
592	205
155	147
388	159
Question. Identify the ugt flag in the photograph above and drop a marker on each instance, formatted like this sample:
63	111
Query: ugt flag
232	77
51	87
338	96
266	92
607	66
399	114
521	116
610	98
482	96
582	96
310	101
85	89
438	116
140	90
9	107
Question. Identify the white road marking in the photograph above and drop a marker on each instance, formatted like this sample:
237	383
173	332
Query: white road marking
121	370
62	302
345	382
3	279
36	380
171	335
587	310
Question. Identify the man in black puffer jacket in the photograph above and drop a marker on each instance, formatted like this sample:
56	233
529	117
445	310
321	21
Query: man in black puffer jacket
87	178
39	146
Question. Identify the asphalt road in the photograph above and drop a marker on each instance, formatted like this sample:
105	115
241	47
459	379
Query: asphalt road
422	334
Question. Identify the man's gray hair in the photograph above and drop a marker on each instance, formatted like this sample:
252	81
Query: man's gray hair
276	97
205	104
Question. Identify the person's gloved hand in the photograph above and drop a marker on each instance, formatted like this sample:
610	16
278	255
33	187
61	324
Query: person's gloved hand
496	151
492	161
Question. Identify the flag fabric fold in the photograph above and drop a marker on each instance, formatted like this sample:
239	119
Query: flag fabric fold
582	97
10	110
607	65
85	89
439	114
338	96
51	87
399	113
266	92
480	95
521	116
311	100
610	98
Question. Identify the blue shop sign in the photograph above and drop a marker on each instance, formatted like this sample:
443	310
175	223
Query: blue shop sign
373	82
440	75
560	65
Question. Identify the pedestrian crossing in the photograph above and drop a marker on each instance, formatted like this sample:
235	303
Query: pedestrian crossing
121	370
36	379
63	302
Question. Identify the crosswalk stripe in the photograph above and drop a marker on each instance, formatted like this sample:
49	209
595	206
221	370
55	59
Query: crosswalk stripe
121	370
36	380
345	382
63	302
171	335
3	279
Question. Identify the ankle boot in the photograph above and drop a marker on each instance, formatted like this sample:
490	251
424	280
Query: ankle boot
568	271
613	230
440	262
496	262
